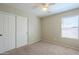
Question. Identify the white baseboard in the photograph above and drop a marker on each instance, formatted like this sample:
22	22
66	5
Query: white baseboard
34	42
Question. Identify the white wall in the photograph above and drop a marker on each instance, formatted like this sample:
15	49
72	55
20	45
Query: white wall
51	29
33	22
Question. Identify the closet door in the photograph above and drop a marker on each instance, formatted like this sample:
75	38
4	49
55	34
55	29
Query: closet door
1	34
21	31
7	32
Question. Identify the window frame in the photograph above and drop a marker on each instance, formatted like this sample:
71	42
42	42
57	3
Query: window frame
78	27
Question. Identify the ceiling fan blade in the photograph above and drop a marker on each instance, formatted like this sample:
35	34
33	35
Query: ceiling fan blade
42	5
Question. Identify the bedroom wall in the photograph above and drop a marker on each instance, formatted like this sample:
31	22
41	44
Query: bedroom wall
33	22
51	29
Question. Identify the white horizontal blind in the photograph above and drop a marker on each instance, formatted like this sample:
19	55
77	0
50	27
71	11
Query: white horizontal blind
70	27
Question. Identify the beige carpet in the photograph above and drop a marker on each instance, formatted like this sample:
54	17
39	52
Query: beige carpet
42	48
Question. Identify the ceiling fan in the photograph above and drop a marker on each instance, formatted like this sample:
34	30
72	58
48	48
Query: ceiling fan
43	6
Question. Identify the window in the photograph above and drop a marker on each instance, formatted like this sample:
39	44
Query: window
70	27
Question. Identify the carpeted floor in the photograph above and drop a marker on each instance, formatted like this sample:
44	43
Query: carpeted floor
42	48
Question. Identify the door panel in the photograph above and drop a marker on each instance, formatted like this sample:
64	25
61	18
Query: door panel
7	29
1	32
21	31
9	32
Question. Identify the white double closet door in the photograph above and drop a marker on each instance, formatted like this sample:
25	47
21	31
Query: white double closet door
13	32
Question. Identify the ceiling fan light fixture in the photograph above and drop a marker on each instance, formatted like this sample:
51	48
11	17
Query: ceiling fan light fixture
44	7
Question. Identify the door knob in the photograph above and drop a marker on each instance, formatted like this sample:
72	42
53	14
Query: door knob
0	34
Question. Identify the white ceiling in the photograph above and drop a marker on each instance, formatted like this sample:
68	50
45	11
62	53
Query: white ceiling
53	9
